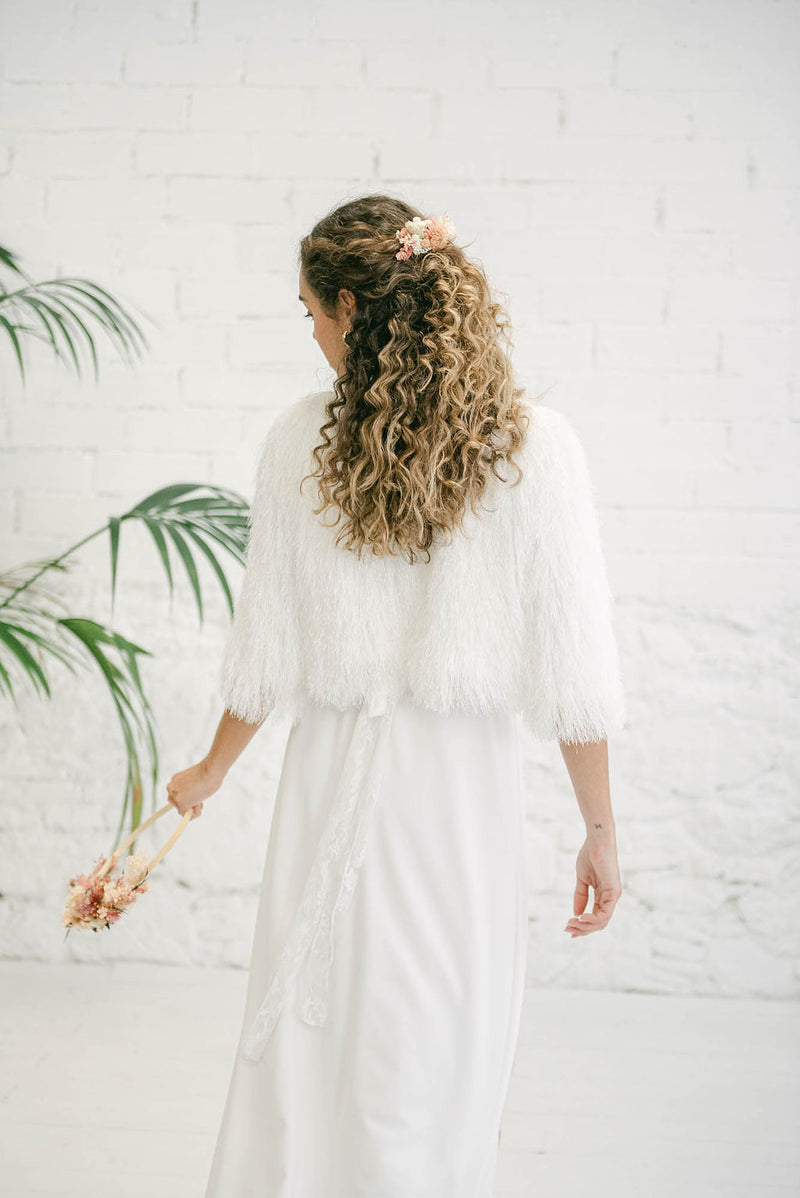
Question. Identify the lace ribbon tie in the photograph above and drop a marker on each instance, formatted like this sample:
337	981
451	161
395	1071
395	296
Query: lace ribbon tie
307	954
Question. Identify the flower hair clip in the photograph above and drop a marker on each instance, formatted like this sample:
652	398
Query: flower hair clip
418	235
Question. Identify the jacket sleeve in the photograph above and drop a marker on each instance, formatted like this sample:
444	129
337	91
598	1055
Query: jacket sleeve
573	690
258	652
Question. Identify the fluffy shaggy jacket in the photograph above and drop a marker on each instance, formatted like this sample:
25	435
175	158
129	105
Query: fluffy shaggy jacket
515	615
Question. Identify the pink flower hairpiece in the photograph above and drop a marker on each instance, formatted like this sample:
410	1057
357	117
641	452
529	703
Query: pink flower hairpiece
418	235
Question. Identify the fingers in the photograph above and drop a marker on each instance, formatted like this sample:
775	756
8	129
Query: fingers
592	921
580	897
170	795
196	809
175	788
582	924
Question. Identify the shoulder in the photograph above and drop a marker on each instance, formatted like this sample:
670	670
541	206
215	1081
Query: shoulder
548	428
290	430
553	447
295	417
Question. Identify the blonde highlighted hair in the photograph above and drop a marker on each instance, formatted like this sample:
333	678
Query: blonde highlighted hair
425	408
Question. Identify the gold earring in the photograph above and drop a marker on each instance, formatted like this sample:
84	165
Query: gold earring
344	335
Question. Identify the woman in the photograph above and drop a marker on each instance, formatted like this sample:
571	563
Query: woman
424	568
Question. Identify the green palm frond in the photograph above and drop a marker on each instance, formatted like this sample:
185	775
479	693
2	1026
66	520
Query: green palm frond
195	519
34	625
9	260
218	515
34	621
116	658
190	516
12	637
61	313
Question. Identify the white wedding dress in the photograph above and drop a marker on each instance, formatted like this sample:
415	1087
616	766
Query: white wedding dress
379	1034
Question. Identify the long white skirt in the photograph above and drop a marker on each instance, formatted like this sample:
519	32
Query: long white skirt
399	1093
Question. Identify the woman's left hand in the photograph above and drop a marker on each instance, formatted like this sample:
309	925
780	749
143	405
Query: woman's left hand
597	866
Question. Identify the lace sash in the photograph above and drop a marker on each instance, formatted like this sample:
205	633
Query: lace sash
307	955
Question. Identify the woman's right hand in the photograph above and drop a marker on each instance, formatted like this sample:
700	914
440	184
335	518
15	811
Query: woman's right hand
597	866
188	788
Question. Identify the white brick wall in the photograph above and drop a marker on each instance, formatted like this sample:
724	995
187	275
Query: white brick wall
628	174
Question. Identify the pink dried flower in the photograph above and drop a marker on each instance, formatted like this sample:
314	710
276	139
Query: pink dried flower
95	902
418	236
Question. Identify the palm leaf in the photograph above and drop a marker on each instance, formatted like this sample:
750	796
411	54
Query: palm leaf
209	516
118	323
160	500
22	621
154	529
219	515
113	537
65	314
24	657
61	312
235	542
54	303
185	554
12	332
133	711
210	557
9	260
194	518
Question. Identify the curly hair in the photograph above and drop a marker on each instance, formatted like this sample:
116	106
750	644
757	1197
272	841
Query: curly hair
426	407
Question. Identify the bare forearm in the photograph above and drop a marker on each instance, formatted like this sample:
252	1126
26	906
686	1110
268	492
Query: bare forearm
230	740
587	765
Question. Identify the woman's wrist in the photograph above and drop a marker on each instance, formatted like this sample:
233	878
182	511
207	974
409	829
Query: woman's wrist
601	829
214	770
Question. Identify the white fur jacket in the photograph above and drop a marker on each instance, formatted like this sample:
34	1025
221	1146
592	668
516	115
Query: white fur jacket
515	616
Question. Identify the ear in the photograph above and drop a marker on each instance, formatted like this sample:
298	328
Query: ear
348	302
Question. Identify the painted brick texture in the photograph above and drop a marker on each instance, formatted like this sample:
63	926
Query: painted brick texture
629	176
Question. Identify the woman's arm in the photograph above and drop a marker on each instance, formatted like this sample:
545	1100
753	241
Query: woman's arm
190	787
232	737
597	865
587	765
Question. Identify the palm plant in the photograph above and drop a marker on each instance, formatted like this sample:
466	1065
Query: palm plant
35	628
57	311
